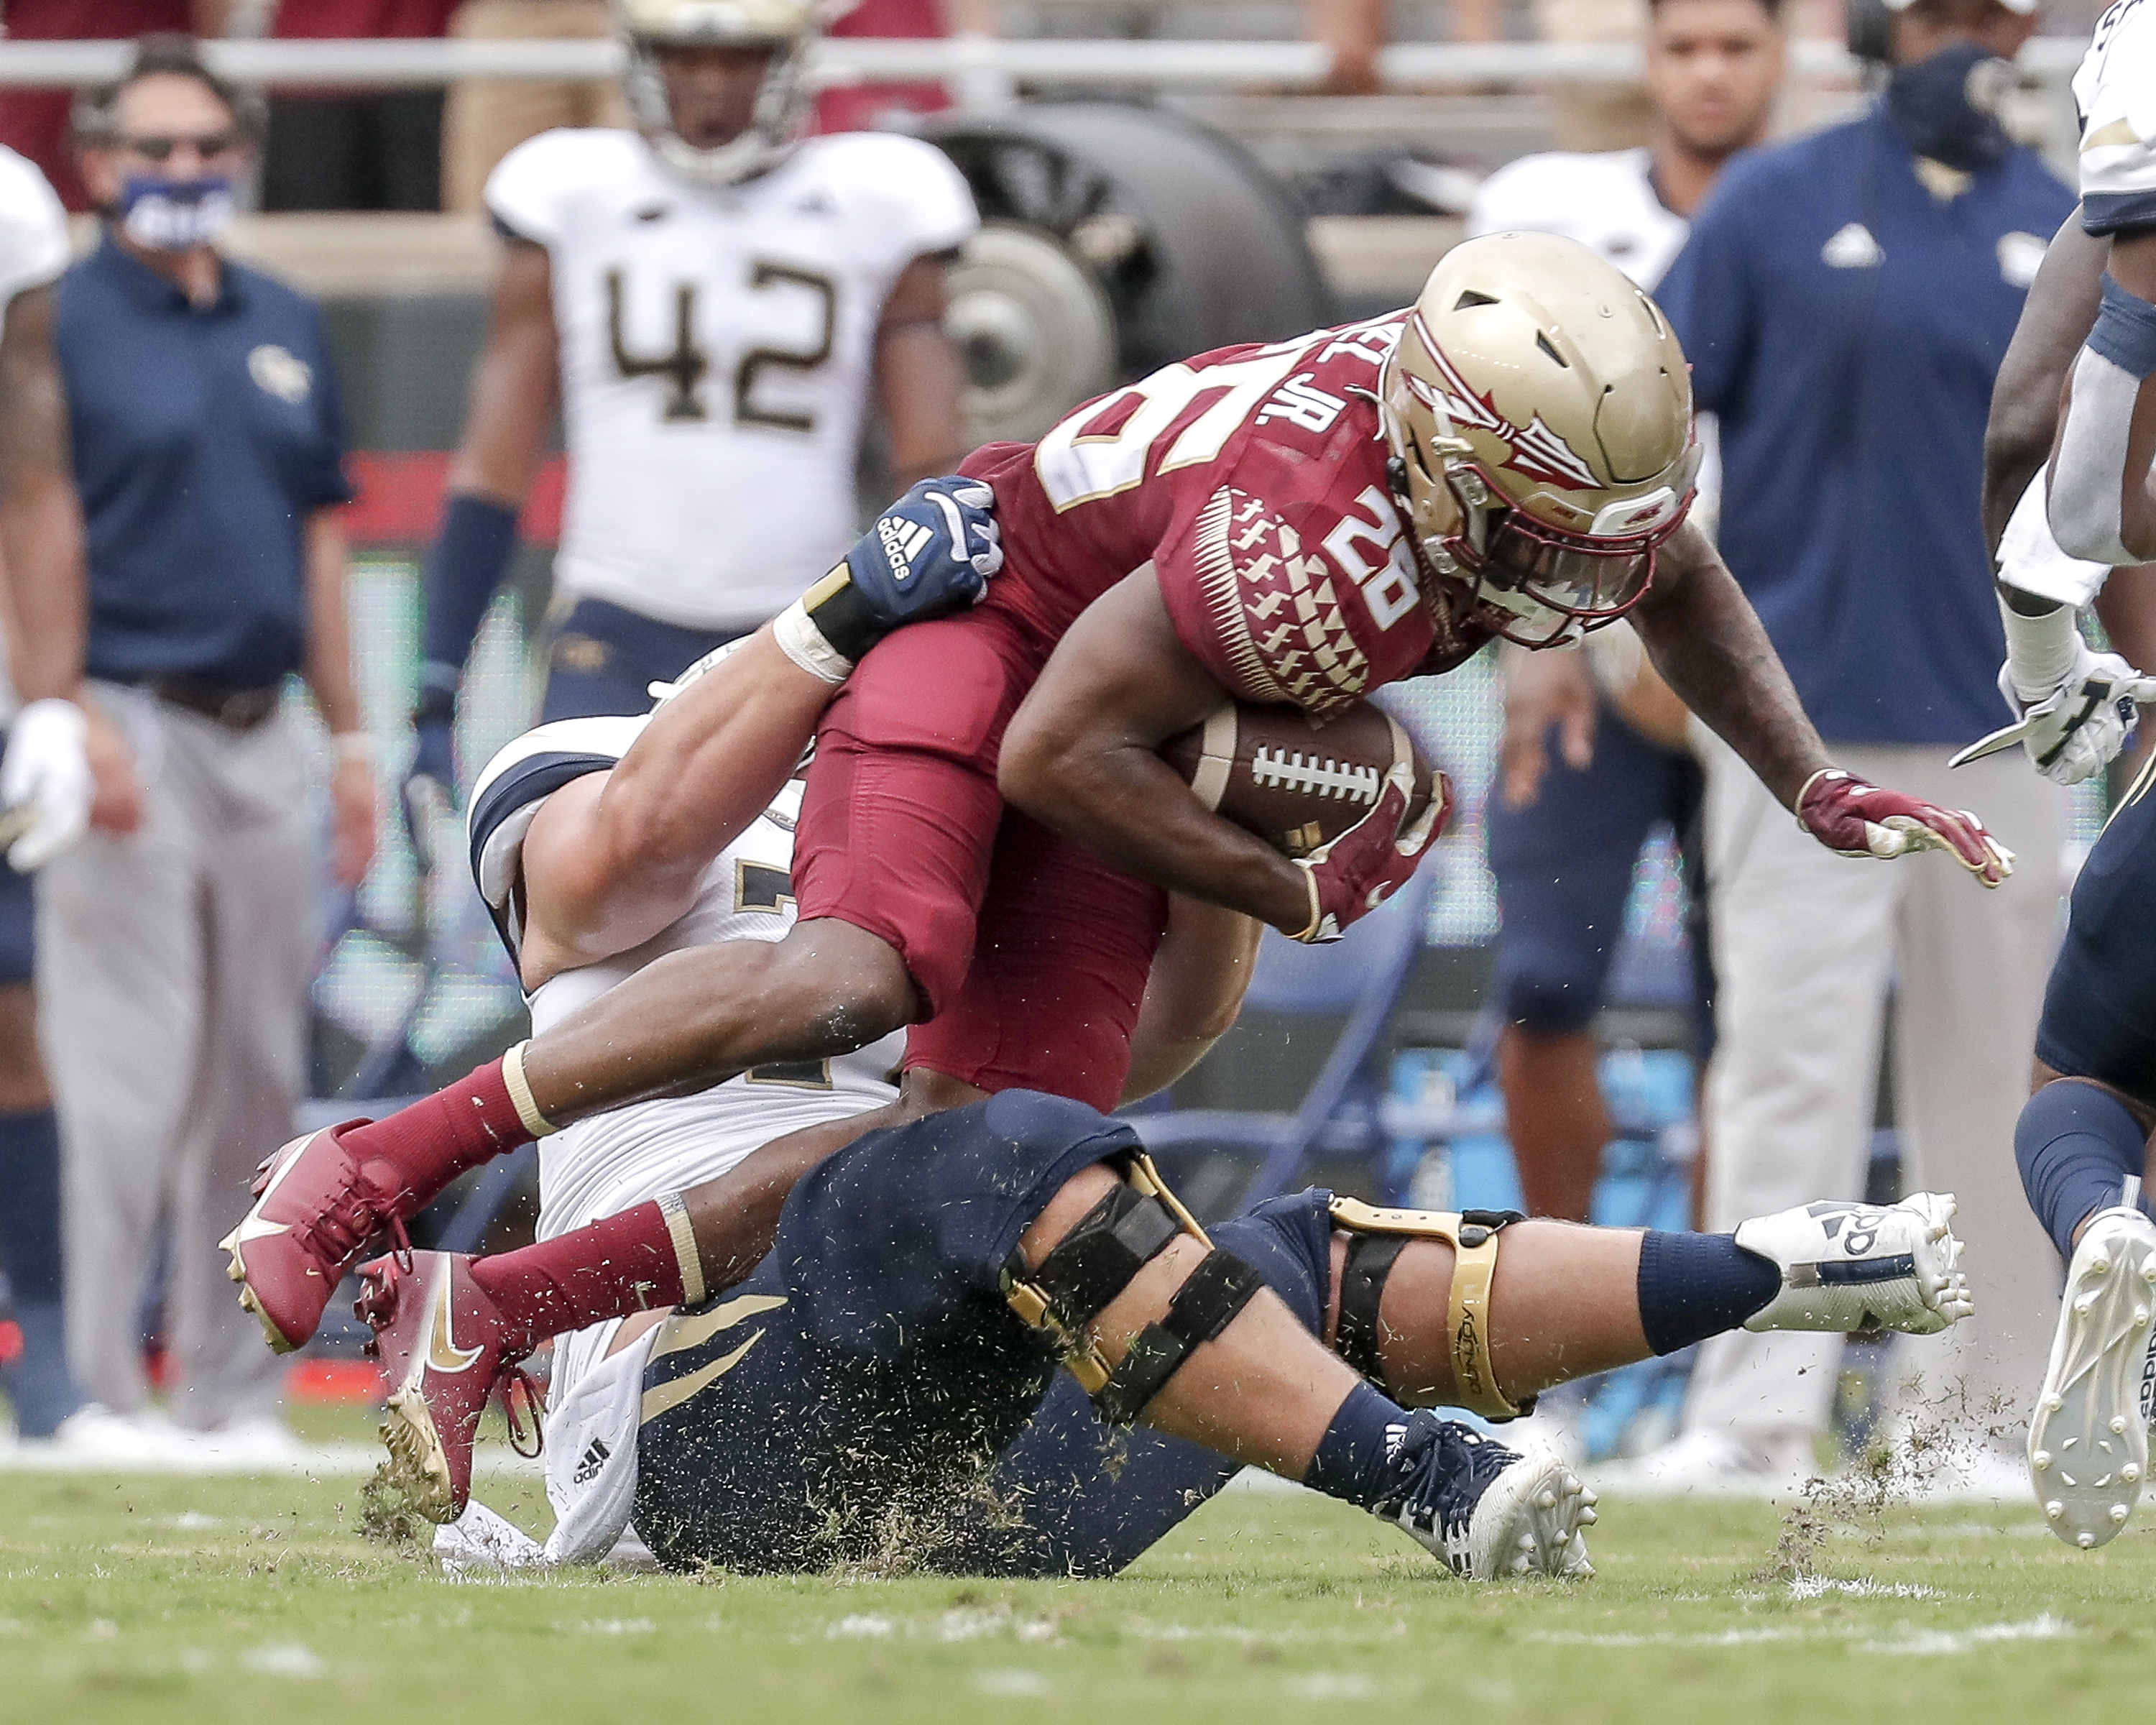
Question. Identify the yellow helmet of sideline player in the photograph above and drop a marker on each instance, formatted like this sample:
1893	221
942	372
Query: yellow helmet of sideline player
782	28
1538	409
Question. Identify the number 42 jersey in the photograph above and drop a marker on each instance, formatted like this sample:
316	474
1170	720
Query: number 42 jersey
716	346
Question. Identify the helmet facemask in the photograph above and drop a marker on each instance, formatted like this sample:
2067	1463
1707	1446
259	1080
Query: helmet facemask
781	98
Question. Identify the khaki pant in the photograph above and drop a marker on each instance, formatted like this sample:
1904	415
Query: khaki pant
1805	943
488	117
172	974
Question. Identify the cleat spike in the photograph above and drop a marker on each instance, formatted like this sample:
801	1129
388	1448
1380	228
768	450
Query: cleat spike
2053	1510
2086	1541
2099	1266
2041	1461
2119	1512
1547	1501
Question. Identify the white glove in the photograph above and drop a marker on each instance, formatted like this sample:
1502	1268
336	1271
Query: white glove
2081	721
45	772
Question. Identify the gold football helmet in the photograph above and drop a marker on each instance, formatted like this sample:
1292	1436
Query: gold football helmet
786	27
1538	409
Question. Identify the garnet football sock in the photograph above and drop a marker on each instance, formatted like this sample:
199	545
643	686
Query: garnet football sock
419	1150
1354	1459
642	1258
1694	1286
2075	1145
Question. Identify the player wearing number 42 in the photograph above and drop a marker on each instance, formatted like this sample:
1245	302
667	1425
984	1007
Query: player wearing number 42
1293	525
713	296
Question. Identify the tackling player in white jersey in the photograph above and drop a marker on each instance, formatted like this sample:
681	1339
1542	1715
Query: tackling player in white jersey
2082	1140
1564	841
712	298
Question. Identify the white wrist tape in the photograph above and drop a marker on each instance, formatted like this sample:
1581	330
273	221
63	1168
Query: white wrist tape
2088	473
800	640
2041	651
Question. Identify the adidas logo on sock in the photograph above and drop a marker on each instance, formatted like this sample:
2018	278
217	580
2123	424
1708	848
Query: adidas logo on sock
903	541
589	1463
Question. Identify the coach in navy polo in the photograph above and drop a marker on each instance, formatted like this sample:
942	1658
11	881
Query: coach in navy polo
176	953
1845	300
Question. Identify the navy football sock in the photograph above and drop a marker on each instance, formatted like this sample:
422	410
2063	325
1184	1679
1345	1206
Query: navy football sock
1694	1286
1354	1458
2075	1145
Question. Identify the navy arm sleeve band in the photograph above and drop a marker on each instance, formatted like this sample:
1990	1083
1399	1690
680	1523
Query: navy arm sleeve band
2125	332
470	556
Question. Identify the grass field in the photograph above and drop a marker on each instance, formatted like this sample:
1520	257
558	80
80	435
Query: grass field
179	1599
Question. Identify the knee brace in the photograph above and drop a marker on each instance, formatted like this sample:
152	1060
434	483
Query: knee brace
1376	1238
1097	1260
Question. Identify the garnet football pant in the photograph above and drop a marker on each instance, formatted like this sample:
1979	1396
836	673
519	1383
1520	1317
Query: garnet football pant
1031	952
866	1392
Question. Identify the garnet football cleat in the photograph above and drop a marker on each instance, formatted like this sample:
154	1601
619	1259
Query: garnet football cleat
1488	1510
2088	1444
314	1209
443	1350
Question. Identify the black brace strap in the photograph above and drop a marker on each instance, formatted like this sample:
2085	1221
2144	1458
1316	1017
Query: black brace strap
1096	1260
1358	1340
1220	1286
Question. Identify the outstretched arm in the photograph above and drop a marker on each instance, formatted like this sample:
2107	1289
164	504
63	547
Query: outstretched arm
1706	641
613	858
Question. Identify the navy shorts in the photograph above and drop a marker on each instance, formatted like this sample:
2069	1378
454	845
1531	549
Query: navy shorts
865	1393
1563	866
604	660
2100	1007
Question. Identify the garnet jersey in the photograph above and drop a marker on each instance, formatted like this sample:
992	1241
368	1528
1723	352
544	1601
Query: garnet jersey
2116	91
1252	481
714	352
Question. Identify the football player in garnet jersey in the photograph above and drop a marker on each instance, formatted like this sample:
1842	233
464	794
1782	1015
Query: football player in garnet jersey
1295	524
713	298
759	1427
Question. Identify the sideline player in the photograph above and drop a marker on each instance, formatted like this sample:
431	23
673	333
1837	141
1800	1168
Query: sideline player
1297	538
635	1421
47	787
713	298
2082	1137
1564	838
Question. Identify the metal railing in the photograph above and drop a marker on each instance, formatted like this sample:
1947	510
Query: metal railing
966	60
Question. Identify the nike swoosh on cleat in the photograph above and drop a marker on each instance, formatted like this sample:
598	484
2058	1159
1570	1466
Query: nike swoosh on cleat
442	1353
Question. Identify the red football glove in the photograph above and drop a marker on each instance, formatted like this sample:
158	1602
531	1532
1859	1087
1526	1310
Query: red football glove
1371	861
1847	815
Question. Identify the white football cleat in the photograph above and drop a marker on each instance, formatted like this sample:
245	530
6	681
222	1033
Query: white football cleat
1488	1510
2088	1443
1858	1266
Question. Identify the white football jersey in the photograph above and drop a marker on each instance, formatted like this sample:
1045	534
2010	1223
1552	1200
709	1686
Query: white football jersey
1605	200
2115	90
33	236
716	348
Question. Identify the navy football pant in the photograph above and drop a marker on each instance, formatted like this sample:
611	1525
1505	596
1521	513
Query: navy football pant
866	1394
1563	866
2100	1006
604	660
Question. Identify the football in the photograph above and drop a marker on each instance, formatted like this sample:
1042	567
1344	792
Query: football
1295	782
